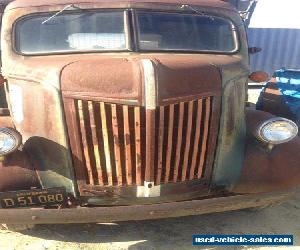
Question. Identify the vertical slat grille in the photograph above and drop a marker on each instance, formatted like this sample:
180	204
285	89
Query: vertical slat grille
161	133
125	145
106	144
138	148
169	148
127	141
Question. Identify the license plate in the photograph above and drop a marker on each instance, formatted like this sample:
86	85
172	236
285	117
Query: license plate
33	198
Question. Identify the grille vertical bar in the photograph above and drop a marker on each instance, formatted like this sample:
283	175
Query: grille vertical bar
138	150
95	143
205	136
160	144
124	145
106	144
83	110
116	140
127	141
179	140
187	141
197	138
170	143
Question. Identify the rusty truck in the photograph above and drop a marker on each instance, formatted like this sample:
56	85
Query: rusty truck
133	110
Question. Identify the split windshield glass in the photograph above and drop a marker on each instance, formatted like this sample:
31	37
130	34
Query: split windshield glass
77	31
184	32
88	30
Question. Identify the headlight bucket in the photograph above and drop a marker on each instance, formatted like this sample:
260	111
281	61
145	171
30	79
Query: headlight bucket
10	140
277	130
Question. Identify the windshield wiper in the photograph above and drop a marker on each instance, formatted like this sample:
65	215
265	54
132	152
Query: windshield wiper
70	6
201	13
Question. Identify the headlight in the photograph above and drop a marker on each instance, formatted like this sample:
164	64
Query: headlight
277	130
10	140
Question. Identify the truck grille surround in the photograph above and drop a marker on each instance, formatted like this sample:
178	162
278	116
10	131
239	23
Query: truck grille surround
117	145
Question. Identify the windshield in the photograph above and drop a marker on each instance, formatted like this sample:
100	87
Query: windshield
190	32
86	30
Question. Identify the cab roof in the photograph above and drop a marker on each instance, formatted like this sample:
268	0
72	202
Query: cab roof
38	3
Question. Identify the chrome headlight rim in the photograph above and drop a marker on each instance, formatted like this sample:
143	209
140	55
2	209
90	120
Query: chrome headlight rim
262	138
13	134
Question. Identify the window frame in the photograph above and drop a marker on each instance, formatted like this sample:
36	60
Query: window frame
131	34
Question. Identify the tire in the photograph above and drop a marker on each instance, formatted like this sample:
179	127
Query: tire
17	227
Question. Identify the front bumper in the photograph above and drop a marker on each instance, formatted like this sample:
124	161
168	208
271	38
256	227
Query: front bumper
138	212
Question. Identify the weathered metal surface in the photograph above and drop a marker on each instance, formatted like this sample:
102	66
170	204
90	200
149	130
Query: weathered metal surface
137	120
114	141
6	121
138	139
4	112
110	82
264	170
36	111
188	140
138	212
229	158
17	173
197	138
127	141
205	135
179	140
205	3
160	144
130	195
169	143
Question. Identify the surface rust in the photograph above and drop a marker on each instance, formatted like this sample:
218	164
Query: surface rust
116	3
17	173
265	170
140	212
116	143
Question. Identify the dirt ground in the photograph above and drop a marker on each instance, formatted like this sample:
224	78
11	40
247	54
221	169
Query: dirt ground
173	233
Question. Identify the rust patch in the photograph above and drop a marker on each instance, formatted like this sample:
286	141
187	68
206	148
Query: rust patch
17	173
127	139
266	171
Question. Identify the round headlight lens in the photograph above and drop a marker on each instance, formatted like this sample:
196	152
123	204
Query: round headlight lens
278	130
10	140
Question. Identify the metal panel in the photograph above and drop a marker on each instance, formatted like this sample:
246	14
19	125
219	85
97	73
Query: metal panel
280	48
123	145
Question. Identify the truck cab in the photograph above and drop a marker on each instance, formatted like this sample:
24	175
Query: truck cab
124	110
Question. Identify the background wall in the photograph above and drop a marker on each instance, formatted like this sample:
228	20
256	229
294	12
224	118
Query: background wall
275	27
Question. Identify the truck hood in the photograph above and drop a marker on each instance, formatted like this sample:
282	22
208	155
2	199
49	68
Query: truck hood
122	79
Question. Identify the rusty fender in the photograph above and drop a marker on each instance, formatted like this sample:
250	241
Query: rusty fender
268	170
17	173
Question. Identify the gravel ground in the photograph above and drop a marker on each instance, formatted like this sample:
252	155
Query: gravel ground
173	233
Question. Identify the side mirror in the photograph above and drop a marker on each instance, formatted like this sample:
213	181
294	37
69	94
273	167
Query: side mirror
254	50
259	76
